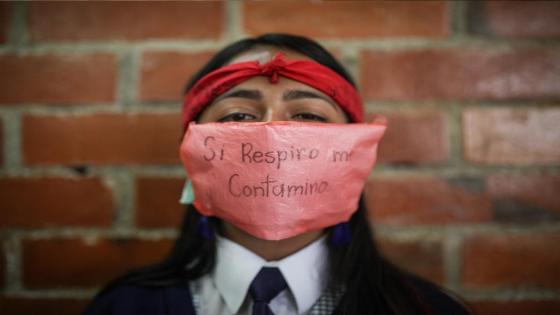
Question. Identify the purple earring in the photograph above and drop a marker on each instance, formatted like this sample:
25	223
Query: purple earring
204	229
341	235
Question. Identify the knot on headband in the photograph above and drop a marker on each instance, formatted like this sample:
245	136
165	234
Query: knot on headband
271	68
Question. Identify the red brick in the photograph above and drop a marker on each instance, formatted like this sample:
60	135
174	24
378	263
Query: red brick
101	139
415	137
44	202
417	201
497	261
74	21
43	306
333	19
5	13
525	198
466	73
514	136
537	19
423	258
59	79
51	263
157	202
524	307
164	75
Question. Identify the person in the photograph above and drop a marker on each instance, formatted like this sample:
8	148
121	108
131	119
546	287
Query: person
223	259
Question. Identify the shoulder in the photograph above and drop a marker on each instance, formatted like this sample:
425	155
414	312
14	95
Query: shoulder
131	299
440	301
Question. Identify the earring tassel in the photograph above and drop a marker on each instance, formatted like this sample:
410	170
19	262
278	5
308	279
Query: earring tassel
204	229
341	235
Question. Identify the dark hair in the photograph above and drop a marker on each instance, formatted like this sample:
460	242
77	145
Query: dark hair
371	284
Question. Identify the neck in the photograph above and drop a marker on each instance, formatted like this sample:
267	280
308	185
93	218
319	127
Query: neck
270	250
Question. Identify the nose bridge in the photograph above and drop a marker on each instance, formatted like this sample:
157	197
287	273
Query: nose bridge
274	113
275	108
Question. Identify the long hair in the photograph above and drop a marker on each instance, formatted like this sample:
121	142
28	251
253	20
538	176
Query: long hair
371	285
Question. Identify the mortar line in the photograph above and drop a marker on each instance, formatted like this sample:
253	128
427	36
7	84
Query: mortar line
13	137
394	44
13	263
94	233
461	104
180	48
351	60
17	37
121	183
171	106
452	260
127	78
458	22
466	230
233	21
455	135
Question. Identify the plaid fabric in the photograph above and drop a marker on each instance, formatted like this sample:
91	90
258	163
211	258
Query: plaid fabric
326	303
195	295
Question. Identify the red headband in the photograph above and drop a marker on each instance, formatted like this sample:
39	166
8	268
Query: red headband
310	73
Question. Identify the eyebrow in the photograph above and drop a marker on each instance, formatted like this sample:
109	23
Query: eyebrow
291	95
254	95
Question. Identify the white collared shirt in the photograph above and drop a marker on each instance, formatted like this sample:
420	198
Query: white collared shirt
224	290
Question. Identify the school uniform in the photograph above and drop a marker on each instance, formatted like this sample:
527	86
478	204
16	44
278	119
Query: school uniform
224	291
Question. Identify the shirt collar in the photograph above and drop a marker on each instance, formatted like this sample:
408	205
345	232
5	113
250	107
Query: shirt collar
305	272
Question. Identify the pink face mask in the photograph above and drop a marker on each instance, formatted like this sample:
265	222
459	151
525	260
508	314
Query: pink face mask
275	180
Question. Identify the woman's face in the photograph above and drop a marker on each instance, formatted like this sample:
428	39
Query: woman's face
259	100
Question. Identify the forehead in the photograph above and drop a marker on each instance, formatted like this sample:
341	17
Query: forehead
263	84
265	54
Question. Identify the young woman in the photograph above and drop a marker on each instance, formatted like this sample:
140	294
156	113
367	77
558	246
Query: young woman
274	253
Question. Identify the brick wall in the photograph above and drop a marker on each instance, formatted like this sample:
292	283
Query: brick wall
467	192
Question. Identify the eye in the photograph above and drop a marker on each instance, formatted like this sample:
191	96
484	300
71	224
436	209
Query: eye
237	117
309	116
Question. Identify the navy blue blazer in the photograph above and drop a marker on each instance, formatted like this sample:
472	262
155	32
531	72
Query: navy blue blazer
176	300
135	300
